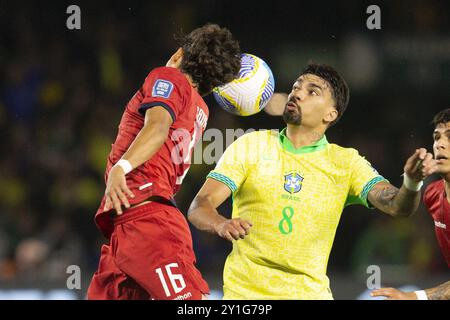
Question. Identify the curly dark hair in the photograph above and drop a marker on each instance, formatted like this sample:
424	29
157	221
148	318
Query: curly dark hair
339	88
210	56
441	117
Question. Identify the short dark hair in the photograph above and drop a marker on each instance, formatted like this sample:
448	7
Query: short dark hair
441	117
211	56
339	88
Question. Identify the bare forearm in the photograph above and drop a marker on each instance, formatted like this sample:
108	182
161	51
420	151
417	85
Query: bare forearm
441	292
203	215
145	145
393	201
276	104
406	202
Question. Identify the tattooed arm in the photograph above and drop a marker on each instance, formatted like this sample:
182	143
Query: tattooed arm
403	202
441	292
393	201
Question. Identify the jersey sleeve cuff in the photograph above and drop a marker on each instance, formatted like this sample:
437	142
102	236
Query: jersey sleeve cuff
224	179
145	106
369	185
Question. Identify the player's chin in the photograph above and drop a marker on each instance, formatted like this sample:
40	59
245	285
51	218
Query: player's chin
292	117
442	169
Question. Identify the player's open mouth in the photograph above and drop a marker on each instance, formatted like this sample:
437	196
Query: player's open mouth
441	158
291	106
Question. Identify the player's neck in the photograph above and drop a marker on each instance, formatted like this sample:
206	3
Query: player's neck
302	137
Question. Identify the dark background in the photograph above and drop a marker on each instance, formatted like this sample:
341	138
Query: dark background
62	93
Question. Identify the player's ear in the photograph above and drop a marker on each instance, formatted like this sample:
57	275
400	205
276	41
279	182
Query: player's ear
175	59
331	115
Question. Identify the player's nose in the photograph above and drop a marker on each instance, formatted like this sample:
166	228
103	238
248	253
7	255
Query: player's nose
440	145
298	96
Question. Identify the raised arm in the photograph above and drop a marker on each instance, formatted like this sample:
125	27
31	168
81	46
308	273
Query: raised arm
276	104
404	201
204	216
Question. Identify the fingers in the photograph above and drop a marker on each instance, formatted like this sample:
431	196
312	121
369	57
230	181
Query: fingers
116	198
123	198
127	191
420	165
235	229
117	191
429	165
411	163
422	153
116	203
393	294
383	292
107	205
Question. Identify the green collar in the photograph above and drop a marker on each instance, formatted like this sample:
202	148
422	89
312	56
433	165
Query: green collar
287	145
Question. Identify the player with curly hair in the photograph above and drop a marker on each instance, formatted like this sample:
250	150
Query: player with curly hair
150	254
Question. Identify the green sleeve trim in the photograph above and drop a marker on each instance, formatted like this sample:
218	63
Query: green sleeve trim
362	198
224	179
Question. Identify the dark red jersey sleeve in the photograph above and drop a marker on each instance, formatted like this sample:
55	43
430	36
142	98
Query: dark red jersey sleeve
168	88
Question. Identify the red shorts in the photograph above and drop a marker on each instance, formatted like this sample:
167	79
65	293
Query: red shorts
150	256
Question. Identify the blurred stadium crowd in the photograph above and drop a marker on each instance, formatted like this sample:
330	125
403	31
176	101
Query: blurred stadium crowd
62	94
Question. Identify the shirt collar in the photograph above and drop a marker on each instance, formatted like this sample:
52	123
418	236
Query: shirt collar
287	145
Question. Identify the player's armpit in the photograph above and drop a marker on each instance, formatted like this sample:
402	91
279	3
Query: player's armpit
393	201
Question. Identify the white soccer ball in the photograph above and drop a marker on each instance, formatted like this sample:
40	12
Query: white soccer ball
250	92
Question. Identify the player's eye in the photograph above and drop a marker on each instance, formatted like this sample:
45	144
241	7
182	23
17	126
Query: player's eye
314	93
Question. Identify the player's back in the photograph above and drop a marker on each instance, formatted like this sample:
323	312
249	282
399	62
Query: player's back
161	175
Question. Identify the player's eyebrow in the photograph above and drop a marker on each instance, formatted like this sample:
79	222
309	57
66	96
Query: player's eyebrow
315	85
300	80
444	132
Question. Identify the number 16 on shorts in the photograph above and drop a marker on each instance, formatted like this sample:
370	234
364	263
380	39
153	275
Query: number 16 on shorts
176	280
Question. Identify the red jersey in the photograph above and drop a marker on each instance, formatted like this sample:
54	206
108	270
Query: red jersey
163	174
435	199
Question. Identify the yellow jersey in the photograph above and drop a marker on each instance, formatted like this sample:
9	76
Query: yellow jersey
294	198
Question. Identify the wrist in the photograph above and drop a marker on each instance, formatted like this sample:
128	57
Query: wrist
125	165
410	184
421	295
217	225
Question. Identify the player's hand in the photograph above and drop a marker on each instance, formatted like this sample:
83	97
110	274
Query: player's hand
420	165
275	106
117	191
233	229
393	294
